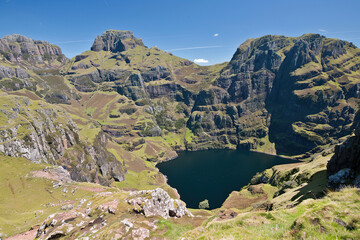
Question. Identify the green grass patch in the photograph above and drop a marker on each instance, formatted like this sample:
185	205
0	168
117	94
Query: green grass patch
25	200
174	231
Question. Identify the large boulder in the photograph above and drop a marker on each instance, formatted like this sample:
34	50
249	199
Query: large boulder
157	203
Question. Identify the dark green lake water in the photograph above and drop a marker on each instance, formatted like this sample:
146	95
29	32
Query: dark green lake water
214	174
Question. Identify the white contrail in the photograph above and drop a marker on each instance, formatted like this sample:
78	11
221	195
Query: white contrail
191	48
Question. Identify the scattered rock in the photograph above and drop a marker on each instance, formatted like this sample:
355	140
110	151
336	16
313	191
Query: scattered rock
55	235
255	189
67	207
109	207
349	227
265	205
140	233
316	222
339	178
111	210
340	222
225	214
127	223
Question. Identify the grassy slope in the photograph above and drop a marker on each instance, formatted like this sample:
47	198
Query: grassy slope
26	200
312	219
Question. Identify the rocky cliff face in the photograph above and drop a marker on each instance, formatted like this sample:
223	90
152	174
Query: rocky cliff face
116	41
298	93
28	64
344	166
35	54
35	131
42	133
347	155
311	98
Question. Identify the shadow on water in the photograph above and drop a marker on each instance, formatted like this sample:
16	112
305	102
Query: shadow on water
214	174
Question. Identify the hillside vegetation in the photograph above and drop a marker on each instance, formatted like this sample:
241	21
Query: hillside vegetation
103	119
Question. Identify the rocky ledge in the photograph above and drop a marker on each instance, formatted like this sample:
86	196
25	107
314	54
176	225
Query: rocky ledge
157	203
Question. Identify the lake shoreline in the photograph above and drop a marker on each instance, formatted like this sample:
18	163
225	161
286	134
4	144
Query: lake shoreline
251	150
214	174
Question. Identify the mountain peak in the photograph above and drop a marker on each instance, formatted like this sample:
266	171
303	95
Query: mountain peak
17	38
19	48
116	41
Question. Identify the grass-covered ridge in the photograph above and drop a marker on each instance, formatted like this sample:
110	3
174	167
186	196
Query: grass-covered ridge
335	216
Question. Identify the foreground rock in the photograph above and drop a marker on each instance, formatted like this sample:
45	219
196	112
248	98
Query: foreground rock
344	166
158	203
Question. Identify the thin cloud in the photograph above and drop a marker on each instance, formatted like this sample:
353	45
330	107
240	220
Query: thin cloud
325	31
74	41
350	39
201	60
216	35
191	48
347	32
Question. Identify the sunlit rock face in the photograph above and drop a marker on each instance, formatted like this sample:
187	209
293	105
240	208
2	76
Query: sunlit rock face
116	41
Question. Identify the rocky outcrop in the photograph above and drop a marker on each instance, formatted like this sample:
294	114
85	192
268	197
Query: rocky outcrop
156	73
42	138
93	163
347	155
157	203
41	133
8	72
20	49
15	78
344	166
164	90
116	41
59	174
275	87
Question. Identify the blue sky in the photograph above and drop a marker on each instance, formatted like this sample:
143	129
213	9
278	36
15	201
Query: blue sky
197	29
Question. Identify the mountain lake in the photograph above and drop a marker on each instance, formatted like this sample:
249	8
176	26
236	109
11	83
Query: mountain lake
214	174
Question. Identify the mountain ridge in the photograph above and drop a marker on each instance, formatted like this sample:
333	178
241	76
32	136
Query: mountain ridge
247	86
